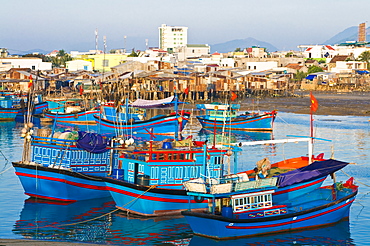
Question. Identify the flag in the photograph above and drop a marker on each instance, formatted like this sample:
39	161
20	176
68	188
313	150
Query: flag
30	83
233	96
314	103
81	89
186	91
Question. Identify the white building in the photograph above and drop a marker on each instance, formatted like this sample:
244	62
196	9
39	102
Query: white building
32	63
78	65
261	66
191	51
172	36
318	51
348	66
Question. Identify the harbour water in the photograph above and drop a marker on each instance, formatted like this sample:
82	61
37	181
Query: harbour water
96	221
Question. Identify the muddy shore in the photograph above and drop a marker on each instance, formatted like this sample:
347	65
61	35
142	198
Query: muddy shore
355	103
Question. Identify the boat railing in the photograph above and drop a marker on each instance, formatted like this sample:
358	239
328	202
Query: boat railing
53	141
162	155
225	186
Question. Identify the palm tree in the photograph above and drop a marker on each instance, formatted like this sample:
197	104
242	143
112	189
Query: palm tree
365	56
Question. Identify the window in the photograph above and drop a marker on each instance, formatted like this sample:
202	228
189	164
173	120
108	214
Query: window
105	63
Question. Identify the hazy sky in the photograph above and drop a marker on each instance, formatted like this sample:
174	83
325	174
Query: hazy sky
71	24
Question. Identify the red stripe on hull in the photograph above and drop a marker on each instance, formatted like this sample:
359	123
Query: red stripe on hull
93	187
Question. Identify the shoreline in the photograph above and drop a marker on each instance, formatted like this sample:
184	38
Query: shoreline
354	103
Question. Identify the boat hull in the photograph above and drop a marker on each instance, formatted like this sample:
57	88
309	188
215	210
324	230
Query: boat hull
219	227
10	114
150	201
59	184
162	125
262	122
83	117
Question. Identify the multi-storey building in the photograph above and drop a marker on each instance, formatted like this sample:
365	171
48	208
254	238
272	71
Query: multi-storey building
172	36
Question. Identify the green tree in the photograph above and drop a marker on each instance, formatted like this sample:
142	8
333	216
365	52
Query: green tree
60	59
300	75
133	54
237	50
314	69
365	56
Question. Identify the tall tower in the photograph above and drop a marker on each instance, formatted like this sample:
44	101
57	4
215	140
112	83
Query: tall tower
172	36
362	32
96	40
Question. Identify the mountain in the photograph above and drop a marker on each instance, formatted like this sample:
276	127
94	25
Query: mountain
241	43
349	34
21	53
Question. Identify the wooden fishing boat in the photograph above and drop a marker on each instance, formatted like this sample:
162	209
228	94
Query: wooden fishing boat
225	116
67	167
249	208
70	111
155	176
131	118
11	107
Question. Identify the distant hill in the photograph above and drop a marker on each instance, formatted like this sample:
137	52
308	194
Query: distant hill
241	43
349	34
21	53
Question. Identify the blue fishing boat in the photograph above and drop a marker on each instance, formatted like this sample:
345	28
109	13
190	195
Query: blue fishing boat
249	209
225	116
67	167
131	118
13	106
155	175
71	111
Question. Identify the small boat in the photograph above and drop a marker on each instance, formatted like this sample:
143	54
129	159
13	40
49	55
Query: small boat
70	111
225	116
249	209
131	118
13	106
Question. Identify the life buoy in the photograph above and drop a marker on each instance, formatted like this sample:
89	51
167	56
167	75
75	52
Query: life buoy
198	199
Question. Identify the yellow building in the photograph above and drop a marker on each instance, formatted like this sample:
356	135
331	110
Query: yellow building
103	62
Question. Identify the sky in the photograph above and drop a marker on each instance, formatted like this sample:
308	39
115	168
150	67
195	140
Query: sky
71	24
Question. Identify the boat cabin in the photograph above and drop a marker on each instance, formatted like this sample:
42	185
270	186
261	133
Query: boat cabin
219	111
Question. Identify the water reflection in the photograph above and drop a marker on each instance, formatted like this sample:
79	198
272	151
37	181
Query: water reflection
95	221
337	234
233	136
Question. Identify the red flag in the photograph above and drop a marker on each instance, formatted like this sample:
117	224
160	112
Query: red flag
81	89
314	103
233	96
186	91
30	83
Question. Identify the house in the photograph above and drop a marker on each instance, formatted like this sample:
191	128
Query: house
348	66
77	65
33	63
318	51
190	51
296	67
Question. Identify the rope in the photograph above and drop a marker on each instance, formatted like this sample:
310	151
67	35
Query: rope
5	170
4	156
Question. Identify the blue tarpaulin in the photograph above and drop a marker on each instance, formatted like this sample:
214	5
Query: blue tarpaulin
311	76
362	71
92	142
317	169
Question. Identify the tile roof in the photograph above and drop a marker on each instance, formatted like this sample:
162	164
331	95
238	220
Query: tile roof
339	58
